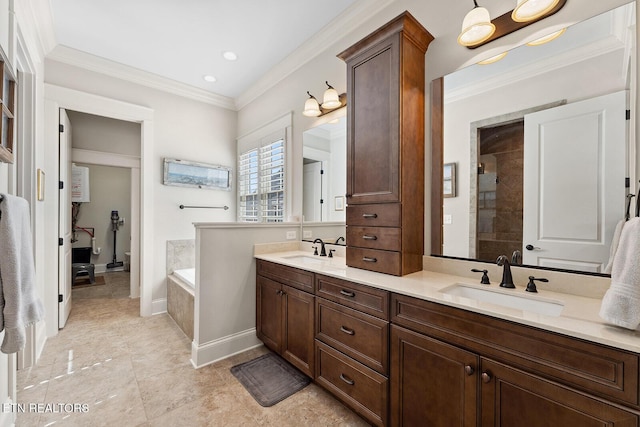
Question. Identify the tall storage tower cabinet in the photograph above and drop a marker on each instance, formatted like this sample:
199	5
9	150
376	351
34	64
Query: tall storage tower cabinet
385	147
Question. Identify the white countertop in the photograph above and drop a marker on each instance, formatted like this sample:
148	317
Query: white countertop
579	317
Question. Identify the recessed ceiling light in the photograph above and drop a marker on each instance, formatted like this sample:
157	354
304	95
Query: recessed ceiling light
229	56
209	78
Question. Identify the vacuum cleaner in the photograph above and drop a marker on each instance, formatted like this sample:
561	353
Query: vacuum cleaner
116	222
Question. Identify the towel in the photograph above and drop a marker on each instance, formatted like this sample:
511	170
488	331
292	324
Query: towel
19	303
614	245
621	303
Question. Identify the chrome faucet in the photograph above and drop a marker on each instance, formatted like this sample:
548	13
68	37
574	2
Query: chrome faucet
323	251
507	280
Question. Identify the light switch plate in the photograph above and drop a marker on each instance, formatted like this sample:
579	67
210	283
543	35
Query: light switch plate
447	219
307	234
291	235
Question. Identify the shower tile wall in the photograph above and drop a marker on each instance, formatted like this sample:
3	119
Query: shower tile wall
180	254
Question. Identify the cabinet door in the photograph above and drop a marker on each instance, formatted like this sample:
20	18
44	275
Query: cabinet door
373	154
432	383
298	345
269	313
510	397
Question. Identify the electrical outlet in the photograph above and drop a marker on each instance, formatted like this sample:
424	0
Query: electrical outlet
291	235
307	234
447	219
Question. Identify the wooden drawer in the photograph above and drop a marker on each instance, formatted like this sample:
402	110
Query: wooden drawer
362	389
363	298
374	215
386	238
360	336
294	277
375	260
600	370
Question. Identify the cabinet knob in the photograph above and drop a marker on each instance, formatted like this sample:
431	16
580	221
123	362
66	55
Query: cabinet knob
346	379
369	215
347	293
367	237
469	370
486	377
347	330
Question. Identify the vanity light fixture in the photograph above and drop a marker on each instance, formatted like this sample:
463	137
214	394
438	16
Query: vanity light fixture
331	99
530	10
311	107
476	26
525	13
494	58
547	38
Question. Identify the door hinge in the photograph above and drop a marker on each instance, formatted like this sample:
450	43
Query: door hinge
627	114
321	171
60	185
321	201
60	298
60	241
627	183
61	128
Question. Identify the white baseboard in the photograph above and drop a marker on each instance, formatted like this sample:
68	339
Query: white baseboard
102	268
205	354
41	338
159	306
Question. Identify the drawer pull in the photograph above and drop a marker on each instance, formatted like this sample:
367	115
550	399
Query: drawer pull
367	237
369	215
346	379
369	259
347	293
486	377
347	330
469	370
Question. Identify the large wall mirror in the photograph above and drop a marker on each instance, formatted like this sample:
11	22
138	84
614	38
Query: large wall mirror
324	152
543	155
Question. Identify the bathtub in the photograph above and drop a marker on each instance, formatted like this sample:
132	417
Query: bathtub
180	298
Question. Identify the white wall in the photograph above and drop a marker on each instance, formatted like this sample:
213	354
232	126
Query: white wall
225	309
110	190
96	133
184	129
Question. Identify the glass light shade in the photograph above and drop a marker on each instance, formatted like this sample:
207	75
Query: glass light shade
476	27
547	38
494	58
528	10
311	108
331	99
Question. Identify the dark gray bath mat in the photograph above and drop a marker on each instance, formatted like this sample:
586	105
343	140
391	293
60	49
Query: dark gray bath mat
269	378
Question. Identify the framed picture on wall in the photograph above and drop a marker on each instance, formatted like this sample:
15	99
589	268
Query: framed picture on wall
449	180
185	173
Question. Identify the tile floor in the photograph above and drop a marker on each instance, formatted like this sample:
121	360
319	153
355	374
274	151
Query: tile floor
127	370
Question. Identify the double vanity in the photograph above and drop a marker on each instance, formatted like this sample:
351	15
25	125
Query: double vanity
431	348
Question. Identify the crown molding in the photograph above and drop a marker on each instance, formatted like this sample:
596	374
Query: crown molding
104	66
518	74
354	16
37	17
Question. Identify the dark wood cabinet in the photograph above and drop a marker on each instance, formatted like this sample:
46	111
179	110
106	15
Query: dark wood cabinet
285	318
385	144
432	383
511	397
441	356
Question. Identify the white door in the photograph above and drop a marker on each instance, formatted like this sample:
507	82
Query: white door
64	221
312	192
574	183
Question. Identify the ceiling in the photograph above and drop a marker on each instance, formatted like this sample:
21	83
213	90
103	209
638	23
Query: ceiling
184	40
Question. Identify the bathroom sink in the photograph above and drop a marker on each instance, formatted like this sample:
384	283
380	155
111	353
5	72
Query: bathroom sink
520	302
304	259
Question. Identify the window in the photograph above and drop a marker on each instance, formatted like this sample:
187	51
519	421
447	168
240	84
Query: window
7	109
261	182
